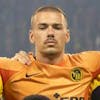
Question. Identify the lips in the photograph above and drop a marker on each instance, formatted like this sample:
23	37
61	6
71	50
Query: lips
50	41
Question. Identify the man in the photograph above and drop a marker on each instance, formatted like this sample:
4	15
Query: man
52	72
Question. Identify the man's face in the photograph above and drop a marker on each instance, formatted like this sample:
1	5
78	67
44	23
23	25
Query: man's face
49	32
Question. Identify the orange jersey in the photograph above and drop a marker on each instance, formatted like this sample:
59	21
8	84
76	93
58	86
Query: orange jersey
69	80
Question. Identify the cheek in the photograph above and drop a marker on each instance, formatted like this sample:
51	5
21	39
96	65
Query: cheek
62	38
61	42
39	39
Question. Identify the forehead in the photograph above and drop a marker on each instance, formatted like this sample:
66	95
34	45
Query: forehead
49	17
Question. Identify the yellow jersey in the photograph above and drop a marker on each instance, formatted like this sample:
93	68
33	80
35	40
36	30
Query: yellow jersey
1	88
96	82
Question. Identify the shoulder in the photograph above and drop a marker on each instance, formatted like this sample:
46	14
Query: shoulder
91	53
88	55
90	59
9	64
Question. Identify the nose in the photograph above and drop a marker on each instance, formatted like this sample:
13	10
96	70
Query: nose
50	30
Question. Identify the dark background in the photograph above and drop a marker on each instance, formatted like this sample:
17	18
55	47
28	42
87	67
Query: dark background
83	17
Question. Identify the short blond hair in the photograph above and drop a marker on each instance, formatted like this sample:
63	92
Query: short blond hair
45	9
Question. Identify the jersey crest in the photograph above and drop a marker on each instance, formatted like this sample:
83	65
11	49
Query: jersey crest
76	74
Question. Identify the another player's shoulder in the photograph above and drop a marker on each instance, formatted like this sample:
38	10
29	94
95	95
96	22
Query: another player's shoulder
8	63
4	60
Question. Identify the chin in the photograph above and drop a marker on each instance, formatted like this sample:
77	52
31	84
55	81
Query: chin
51	51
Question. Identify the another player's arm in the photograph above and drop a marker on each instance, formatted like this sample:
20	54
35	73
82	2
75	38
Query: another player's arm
1	88
95	83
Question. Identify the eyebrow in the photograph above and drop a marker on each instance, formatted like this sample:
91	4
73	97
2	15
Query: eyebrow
50	24
42	24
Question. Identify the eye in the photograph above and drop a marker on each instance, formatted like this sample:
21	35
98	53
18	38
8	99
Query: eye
43	26
57	26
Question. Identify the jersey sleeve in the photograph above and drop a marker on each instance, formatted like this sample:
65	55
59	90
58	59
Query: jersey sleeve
92	61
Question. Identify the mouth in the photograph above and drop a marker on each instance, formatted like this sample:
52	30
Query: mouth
50	42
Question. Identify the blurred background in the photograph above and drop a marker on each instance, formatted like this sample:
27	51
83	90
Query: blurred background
83	19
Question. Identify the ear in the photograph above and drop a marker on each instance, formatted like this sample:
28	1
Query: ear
67	36
31	36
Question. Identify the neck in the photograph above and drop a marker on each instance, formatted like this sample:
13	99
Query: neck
50	59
